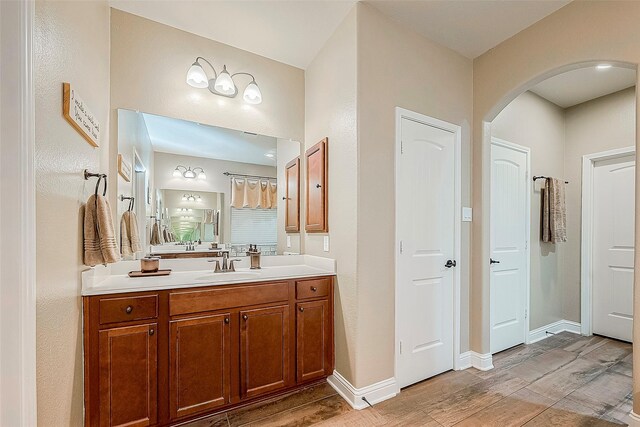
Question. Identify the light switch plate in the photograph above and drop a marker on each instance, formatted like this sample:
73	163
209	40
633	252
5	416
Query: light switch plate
467	214
288	241
326	243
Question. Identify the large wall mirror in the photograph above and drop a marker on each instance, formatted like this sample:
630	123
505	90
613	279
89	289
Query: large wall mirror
206	187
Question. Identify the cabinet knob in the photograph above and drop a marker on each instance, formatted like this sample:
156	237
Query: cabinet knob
151	331
301	309
314	289
318	185
129	309
226	320
245	317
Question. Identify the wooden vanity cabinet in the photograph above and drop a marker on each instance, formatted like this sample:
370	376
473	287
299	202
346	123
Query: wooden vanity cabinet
316	189
292	196
165	357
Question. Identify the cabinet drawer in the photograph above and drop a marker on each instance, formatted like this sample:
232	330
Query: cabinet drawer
313	288
226	298
124	309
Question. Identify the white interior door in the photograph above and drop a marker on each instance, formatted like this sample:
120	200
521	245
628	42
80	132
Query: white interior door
613	247
509	239
426	229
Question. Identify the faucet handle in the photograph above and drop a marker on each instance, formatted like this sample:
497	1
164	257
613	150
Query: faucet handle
231	266
217	267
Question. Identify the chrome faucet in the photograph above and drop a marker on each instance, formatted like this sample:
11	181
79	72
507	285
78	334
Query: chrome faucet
225	268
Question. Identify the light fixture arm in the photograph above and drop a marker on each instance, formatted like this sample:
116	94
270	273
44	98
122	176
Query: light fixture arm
215	73
196	169
243	73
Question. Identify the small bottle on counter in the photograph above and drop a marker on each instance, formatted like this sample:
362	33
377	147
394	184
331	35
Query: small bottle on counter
255	256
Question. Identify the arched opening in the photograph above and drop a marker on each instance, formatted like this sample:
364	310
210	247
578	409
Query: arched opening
489	128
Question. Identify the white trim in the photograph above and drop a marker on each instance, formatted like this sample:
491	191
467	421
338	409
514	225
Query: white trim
17	224
634	419
527	299
374	393
555	328
457	131
586	245
471	359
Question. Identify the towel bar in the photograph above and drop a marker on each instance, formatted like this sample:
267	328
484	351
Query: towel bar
535	178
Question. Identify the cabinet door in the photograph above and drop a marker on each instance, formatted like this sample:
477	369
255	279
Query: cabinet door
292	196
199	364
128	375
316	191
264	350
313	336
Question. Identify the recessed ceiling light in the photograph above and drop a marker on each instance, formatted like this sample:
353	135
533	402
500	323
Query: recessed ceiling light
603	66
270	155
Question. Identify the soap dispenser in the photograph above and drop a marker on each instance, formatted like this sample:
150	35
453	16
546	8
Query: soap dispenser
255	256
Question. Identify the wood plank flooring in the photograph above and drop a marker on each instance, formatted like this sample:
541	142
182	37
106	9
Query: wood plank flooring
564	380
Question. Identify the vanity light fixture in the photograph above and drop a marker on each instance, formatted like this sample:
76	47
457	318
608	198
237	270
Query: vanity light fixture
187	172
603	66
222	84
191	198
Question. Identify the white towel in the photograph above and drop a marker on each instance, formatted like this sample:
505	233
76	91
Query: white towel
237	193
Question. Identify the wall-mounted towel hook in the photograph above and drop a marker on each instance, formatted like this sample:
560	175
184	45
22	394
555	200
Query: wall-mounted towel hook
100	177
132	201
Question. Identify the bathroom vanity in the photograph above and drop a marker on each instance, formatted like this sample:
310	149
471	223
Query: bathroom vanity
161	351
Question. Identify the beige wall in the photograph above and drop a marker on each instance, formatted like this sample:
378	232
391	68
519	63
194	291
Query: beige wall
398	68
71	44
534	122
598	125
546	48
330	111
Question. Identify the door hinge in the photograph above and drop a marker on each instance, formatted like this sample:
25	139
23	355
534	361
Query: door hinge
401	147
400	347
400	246
525	313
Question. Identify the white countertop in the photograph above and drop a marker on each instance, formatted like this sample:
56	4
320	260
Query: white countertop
195	272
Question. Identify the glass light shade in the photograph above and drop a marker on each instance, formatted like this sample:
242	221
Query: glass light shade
224	83
252	94
191	198
196	76
202	175
189	174
184	198
177	173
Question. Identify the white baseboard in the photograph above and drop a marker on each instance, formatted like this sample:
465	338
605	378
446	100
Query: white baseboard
634	419
374	393
482	362
555	328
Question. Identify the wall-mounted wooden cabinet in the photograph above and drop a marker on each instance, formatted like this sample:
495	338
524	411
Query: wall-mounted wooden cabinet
292	196
316	188
161	358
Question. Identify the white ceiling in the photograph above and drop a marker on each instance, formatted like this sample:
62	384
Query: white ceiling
187	138
470	27
294	31
584	84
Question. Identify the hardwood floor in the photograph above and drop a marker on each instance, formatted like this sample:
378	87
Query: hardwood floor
564	380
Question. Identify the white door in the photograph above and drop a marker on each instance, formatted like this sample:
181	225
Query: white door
509	219
613	247
426	229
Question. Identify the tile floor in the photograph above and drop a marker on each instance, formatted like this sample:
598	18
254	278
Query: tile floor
564	380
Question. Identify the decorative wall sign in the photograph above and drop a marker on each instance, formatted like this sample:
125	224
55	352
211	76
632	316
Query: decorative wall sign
124	168
78	115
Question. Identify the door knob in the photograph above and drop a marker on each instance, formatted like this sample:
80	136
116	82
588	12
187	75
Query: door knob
450	263
493	261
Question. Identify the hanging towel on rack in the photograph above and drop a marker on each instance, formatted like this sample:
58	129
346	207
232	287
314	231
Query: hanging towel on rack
129	236
155	235
265	196
207	218
165	234
100	246
554	211
237	193
252	193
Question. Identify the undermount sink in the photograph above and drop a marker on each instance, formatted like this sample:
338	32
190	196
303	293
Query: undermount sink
232	275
